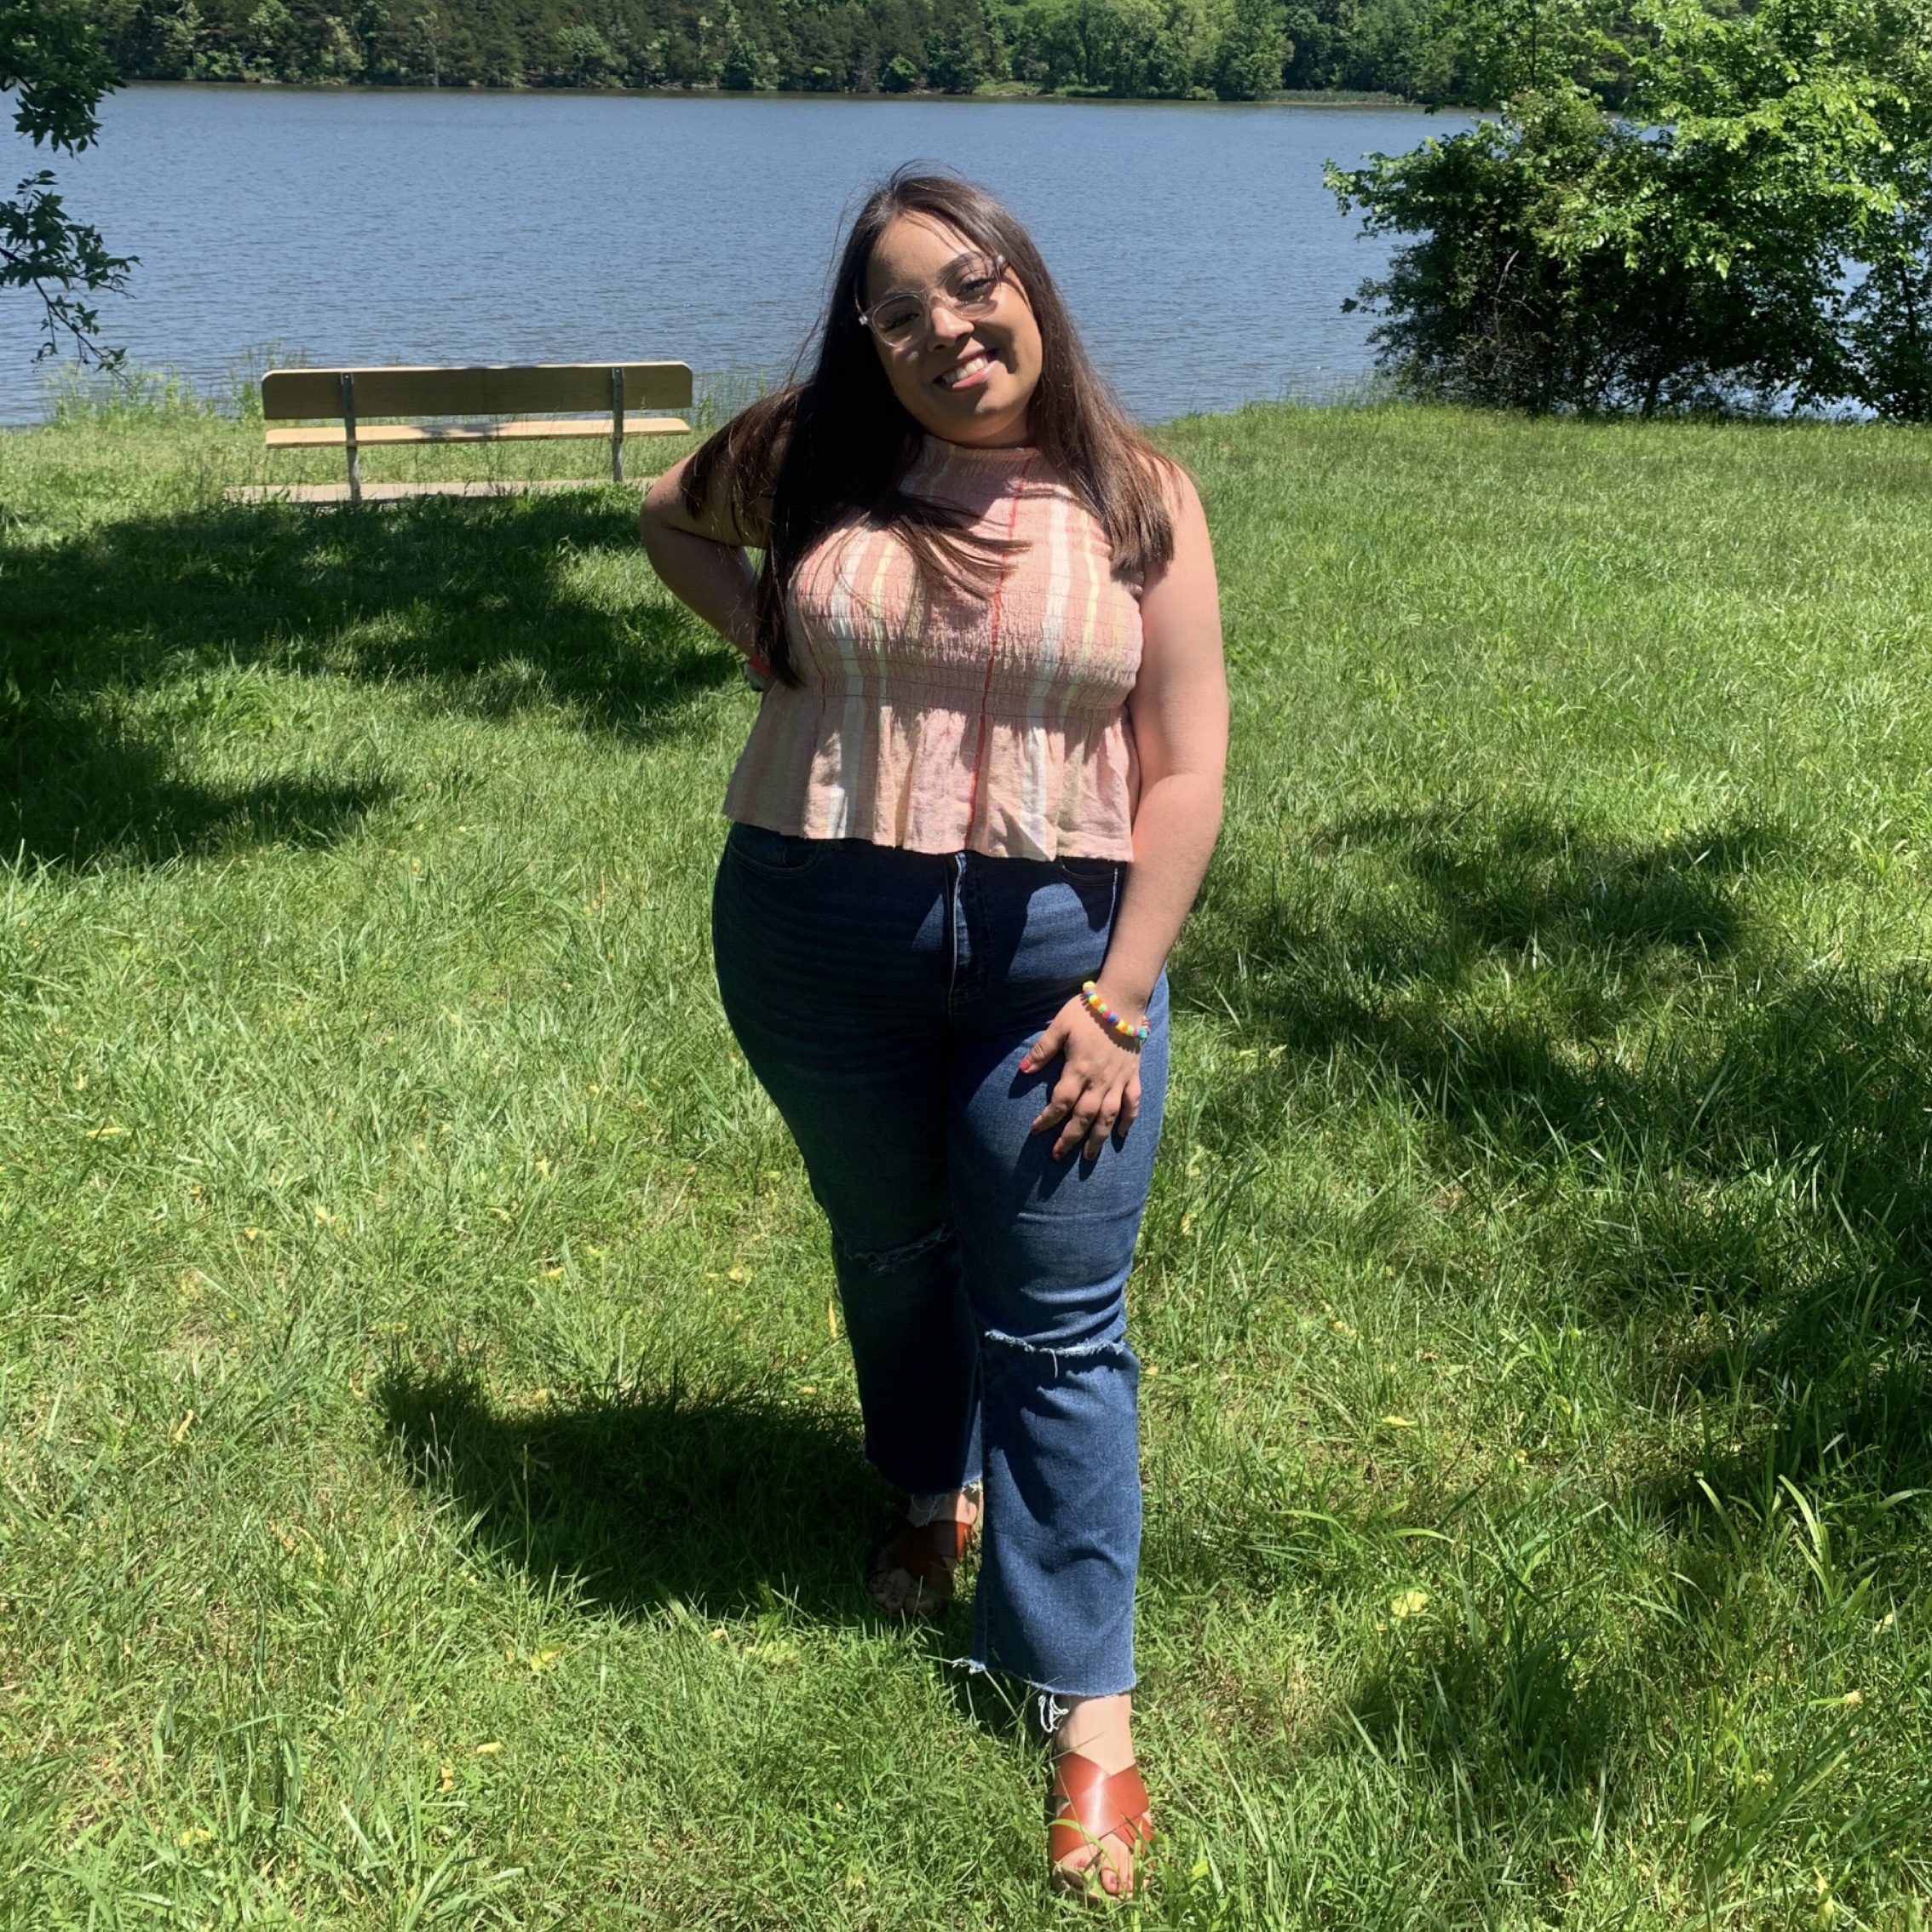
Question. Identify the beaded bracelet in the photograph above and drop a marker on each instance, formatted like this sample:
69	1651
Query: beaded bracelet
1127	1036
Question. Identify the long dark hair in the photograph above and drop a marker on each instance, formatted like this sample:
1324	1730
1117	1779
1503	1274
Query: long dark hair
835	447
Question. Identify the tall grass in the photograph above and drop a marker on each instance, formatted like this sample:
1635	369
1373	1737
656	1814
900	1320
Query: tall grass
429	1478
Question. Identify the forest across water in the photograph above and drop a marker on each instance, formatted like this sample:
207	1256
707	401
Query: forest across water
1156	50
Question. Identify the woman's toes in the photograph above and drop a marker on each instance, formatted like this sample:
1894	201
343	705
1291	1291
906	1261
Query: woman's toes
1108	1867
896	1589
1084	1876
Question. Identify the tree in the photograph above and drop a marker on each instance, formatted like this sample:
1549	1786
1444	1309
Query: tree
1252	53
956	61
1568	260
57	69
1679	207
429	24
1887	318
587	58
746	65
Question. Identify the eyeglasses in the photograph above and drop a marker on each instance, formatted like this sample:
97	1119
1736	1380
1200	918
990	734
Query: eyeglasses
970	288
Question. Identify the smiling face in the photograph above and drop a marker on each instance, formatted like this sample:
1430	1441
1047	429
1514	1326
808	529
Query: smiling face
969	381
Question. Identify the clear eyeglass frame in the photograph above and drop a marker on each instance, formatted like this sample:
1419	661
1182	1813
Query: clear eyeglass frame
971	289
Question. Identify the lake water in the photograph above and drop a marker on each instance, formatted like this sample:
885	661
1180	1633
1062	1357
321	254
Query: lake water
1204	259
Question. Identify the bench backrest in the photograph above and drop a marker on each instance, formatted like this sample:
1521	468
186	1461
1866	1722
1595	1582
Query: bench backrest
538	390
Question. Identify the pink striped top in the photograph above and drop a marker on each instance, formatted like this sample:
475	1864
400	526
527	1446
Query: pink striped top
995	725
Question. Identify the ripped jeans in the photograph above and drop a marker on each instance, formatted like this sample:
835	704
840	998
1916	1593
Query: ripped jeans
884	998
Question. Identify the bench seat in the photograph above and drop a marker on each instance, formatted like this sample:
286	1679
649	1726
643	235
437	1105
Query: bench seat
335	436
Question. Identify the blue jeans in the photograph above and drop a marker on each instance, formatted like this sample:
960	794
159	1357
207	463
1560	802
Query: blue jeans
884	998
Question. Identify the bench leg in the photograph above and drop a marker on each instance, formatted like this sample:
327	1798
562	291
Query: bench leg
617	425
348	439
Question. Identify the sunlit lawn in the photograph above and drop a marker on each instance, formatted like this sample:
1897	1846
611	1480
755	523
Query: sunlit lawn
429	1483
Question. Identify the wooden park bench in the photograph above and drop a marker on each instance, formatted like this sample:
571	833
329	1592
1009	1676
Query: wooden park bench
498	405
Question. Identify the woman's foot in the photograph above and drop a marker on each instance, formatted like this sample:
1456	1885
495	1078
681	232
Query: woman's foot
1098	1830
911	1571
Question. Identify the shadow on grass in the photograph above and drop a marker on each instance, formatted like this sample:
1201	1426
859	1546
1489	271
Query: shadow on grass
726	1501
1462	897
1497	1698
1741	1141
494	607
74	792
1701	1144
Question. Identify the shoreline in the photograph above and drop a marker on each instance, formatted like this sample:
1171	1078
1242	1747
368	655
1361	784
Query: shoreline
206	410
1319	100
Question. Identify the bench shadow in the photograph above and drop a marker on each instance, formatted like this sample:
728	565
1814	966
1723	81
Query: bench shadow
117	637
725	1502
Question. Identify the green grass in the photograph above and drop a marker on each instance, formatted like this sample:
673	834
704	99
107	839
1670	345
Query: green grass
429	1487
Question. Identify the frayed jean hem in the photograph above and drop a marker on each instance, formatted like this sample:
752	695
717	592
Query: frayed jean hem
1059	1694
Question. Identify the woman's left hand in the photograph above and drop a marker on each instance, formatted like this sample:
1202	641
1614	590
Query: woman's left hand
1098	1092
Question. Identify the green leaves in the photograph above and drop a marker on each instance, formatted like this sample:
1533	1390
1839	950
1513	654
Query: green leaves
55	66
1679	208
52	60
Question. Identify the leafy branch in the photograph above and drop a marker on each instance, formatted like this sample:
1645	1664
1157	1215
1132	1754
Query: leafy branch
53	64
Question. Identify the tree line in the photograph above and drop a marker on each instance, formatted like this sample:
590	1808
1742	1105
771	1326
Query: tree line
1167	50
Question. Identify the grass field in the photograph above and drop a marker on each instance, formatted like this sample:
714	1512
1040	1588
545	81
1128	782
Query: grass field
429	1489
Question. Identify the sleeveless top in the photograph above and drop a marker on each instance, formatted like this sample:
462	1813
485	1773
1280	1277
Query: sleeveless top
957	722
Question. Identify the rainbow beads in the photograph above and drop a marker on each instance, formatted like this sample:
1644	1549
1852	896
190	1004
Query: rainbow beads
1127	1035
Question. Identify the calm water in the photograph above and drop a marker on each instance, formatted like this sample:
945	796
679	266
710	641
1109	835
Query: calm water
1204	259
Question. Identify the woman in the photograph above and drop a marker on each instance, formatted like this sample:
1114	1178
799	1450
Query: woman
977	803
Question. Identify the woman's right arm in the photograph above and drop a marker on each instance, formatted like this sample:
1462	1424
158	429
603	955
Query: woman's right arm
701	558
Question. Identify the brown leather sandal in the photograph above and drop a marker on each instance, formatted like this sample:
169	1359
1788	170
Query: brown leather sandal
929	1553
1087	1807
